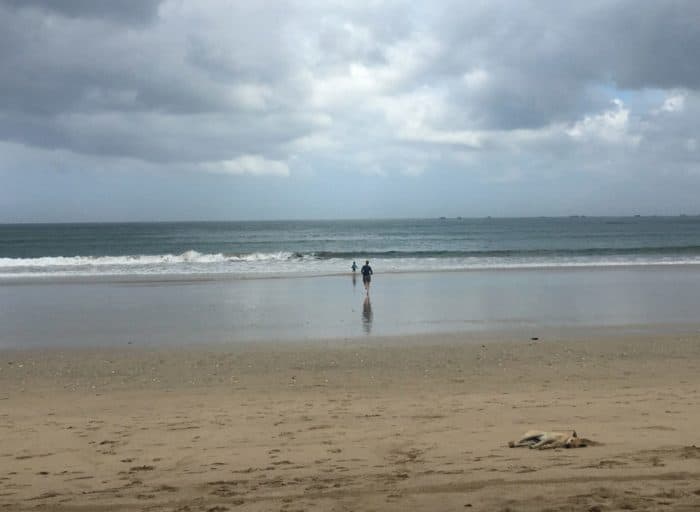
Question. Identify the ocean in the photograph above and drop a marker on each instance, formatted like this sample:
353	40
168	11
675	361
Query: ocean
323	248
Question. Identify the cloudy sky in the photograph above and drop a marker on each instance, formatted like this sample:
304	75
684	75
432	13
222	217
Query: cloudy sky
214	109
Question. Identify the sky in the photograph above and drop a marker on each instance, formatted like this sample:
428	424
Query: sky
148	110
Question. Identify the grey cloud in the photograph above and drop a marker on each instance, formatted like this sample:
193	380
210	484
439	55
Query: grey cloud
548	62
98	81
160	96
160	139
132	11
75	66
649	44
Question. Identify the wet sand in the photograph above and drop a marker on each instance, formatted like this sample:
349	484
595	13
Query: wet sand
405	423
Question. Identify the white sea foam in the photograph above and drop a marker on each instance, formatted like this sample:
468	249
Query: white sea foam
48	262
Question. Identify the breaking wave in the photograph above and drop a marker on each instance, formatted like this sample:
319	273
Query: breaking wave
138	260
327	262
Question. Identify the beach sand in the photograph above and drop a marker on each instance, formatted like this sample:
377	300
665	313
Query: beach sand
405	423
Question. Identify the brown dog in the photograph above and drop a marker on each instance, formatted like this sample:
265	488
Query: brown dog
544	440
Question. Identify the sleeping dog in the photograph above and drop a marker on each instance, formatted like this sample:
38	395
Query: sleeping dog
544	440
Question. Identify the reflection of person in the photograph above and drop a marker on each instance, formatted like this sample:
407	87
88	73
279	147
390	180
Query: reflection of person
354	280
354	267
367	315
366	275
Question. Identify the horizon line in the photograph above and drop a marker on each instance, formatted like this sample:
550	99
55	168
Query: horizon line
351	219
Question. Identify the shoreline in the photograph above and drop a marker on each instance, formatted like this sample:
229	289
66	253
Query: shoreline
185	278
396	423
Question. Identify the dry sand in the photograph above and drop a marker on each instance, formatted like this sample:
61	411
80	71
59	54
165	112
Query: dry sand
395	424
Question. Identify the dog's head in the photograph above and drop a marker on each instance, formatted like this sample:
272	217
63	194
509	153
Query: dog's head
574	441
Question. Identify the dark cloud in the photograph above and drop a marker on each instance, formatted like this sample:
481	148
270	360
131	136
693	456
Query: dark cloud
547	60
652	44
132	11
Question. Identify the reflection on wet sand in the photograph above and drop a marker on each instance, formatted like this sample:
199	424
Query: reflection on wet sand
367	315
354	280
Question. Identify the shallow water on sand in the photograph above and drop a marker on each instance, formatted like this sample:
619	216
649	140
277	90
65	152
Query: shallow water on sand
194	312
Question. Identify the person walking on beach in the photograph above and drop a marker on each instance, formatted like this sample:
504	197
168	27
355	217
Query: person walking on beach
366	275
354	267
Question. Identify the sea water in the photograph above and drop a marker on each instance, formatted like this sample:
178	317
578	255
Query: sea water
284	248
